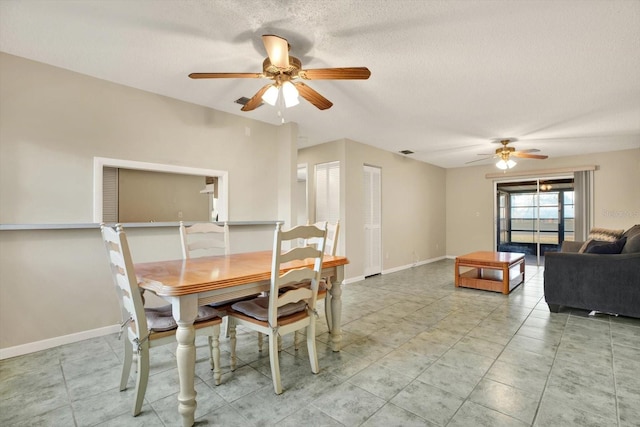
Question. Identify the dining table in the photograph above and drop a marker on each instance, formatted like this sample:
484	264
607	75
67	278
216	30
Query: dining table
190	283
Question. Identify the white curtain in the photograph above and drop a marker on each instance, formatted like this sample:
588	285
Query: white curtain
583	187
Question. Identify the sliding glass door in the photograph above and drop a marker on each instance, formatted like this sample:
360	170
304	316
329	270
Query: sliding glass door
534	216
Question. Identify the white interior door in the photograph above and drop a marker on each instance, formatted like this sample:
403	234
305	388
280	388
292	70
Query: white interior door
372	221
328	192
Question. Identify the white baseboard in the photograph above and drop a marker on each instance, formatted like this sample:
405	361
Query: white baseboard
352	280
405	267
394	269
32	347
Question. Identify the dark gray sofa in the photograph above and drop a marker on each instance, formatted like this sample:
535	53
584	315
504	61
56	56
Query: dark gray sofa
608	283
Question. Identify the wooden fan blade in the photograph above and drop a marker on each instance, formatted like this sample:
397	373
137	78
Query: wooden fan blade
312	96
531	150
256	100
479	160
226	75
277	50
528	156
350	73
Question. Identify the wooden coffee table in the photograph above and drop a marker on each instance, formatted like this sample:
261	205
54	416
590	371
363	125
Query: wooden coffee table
490	271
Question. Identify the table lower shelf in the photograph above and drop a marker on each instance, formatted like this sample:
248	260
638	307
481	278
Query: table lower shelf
491	279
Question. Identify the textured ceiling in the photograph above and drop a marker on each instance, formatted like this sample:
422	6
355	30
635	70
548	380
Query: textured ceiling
448	77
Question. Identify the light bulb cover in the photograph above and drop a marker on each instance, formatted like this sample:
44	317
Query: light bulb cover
271	95
505	164
290	94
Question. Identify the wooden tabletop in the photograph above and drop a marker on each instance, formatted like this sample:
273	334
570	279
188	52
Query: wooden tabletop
488	257
194	275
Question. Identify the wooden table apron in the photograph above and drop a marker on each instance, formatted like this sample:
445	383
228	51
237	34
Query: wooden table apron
187	284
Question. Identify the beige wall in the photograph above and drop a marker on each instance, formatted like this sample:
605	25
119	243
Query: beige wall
413	204
470	223
52	124
147	196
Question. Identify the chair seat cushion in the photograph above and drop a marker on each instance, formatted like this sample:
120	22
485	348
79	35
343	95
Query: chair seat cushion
322	286
258	308
230	301
161	318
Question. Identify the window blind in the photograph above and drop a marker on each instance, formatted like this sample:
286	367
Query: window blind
110	195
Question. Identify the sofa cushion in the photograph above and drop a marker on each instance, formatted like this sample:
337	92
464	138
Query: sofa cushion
608	248
633	231
633	245
605	234
570	246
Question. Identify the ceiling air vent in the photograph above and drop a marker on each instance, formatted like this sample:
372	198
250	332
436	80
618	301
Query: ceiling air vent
405	152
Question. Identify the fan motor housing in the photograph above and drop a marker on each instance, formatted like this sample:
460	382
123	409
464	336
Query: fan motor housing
271	70
505	149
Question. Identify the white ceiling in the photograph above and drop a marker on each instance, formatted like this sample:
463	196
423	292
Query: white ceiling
447	77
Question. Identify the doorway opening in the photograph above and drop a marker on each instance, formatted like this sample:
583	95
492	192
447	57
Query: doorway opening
372	185
535	216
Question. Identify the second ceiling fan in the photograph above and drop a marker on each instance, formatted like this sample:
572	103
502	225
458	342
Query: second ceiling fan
286	72
505	152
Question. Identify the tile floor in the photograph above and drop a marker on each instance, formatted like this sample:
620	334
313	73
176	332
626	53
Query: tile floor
416	352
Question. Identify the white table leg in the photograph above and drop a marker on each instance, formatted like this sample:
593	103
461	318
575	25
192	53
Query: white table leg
336	309
185	309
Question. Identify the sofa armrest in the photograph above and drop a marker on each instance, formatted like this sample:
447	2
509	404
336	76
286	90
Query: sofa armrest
568	246
607	283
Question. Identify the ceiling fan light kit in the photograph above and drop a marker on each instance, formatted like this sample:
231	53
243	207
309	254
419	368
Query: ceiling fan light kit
504	165
286	71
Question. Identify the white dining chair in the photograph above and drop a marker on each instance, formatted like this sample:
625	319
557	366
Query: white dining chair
330	248
207	238
147	328
204	238
280	313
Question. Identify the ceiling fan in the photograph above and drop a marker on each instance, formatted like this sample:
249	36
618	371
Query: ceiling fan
505	152
286	72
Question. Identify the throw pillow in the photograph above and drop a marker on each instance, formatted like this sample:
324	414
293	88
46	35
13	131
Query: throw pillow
609	248
585	246
605	234
589	244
